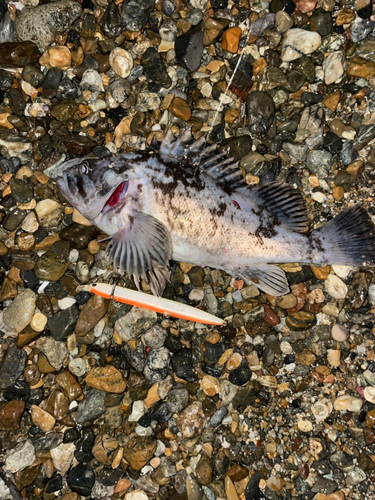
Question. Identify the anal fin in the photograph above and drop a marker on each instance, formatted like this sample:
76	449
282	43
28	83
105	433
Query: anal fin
270	279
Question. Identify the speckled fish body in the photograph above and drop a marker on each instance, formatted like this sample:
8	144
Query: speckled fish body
159	206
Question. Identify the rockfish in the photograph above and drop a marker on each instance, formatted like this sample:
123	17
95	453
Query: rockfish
162	206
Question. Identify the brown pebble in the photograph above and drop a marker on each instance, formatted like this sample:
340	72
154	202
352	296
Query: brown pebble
271	317
331	100
345	16
10	415
360	68
180	109
321	272
231	39
106	378
338	193
204	470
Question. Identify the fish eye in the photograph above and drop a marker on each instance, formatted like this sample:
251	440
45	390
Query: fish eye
84	168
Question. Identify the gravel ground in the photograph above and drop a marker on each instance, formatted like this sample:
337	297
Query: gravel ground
101	401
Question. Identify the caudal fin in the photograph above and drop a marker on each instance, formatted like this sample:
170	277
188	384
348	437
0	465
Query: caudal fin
348	239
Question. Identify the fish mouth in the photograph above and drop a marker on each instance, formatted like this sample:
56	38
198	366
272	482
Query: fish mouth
116	197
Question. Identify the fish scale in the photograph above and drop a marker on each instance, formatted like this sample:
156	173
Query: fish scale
189	203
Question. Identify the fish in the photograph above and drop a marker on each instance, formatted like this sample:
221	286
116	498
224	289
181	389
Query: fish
189	203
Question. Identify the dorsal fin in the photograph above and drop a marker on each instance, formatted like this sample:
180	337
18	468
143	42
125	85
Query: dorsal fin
205	157
285	202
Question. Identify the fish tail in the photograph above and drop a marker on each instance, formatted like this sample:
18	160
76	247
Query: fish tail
348	239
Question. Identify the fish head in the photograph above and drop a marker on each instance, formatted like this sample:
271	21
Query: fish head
96	186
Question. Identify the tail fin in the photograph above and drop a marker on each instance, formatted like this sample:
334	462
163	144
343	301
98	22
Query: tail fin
348	239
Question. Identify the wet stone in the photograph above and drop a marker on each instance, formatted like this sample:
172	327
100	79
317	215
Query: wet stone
19	314
42	23
261	112
81	479
138	451
189	48
62	324
19	53
10	415
91	407
78	236
154	68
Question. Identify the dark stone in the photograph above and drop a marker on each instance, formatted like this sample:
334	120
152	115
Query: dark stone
213	351
218	416
186	372
289	7
321	22
135	13
111	24
32	75
91	407
189	48
12	366
160	412
54	484
240	375
348	154
154	68
5	80
71	435
83	451
51	82
18	390
19	53
78	236
16	101
332	142
261	112
300	276
81	479
62	324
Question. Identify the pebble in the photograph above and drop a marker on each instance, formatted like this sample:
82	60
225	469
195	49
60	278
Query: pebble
135	323
335	287
20	313
42	419
55	352
349	403
56	57
10	415
157	363
121	62
230	40
106	378
138	451
20	457
49	213
297	42
40	24
339	333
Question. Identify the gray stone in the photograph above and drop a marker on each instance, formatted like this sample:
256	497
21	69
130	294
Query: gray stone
19	314
135	323
20	457
42	23
55	352
157	363
319	162
91	407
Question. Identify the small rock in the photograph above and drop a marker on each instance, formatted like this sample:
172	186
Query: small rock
106	378
137	322
62	456
21	311
50	213
138	451
191	421
297	42
335	287
339	333
58	57
157	364
121	61
55	352
348	403
10	415
231	39
20	457
42	418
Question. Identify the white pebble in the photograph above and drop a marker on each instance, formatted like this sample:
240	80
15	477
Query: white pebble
286	347
121	61
335	287
305	426
339	333
322	409
349	403
138	411
369	394
342	271
73	255
66	302
318	197
371	294
298	42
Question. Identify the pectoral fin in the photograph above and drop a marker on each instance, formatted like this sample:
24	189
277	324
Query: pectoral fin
271	279
143	249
